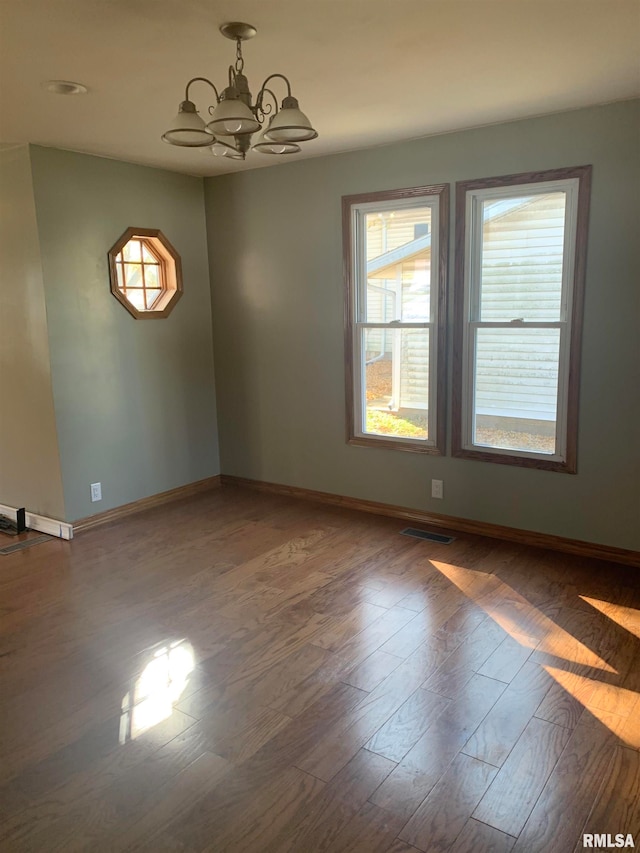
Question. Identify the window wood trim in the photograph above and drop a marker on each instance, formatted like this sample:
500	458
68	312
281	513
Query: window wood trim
441	191
170	272
583	174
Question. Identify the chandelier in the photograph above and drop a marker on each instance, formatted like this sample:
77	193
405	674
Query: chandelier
234	119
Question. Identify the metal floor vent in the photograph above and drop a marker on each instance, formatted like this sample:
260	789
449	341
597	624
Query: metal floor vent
26	543
424	534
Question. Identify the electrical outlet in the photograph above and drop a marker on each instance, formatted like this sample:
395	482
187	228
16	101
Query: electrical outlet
437	489
96	492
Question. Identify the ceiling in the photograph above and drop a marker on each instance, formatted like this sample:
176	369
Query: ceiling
366	72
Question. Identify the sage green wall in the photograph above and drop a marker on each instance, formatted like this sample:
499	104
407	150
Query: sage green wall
29	462
134	399
275	256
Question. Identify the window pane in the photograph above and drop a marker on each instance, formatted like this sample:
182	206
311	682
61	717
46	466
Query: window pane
522	248
151	276
398	257
136	298
396	382
516	388
133	275
131	251
120	275
147	256
152	297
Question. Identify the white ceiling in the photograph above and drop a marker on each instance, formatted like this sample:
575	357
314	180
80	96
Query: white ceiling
367	72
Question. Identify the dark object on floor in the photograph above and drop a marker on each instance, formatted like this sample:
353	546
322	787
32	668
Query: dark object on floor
7	525
425	534
26	543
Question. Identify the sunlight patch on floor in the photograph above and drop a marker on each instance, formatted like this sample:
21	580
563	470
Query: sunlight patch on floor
522	621
627	617
615	707
158	687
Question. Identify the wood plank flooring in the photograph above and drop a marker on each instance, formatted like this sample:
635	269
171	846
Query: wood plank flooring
248	673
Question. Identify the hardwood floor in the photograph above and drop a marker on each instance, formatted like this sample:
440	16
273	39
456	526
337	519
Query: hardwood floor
246	672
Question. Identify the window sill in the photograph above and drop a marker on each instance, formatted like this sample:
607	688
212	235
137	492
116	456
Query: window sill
394	444
562	466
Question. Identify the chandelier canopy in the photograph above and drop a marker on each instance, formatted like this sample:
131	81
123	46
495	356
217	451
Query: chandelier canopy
234	119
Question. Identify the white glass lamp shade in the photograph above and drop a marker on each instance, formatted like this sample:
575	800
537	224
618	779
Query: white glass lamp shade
232	116
266	146
188	129
290	124
223	149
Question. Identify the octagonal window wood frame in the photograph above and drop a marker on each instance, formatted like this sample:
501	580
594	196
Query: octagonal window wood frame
170	269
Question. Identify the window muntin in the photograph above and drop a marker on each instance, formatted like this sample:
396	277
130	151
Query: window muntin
395	257
519	297
145	272
140	274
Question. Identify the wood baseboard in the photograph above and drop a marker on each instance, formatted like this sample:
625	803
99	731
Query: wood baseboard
119	512
51	526
463	525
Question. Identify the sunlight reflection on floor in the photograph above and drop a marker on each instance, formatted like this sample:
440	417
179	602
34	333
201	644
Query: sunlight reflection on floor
158	687
627	617
521	620
616	707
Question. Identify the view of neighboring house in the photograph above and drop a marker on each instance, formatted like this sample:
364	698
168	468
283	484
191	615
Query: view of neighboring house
517	377
398	288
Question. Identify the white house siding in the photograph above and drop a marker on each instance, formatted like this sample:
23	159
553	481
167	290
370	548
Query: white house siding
522	259
516	369
517	373
414	376
393	229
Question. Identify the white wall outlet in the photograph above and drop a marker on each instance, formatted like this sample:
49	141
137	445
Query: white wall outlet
437	489
96	492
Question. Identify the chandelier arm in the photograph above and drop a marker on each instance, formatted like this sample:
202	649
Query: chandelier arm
204	80
261	107
270	77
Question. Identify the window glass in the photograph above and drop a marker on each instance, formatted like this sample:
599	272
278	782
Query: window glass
395	251
522	251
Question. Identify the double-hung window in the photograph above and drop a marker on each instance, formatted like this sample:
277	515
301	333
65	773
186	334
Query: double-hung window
521	244
395	246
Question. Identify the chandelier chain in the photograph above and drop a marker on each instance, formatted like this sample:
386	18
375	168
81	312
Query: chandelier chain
239	57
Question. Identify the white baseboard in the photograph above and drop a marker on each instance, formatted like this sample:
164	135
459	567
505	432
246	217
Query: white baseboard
41	523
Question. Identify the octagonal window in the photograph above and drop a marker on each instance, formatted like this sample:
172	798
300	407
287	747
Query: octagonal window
145	272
